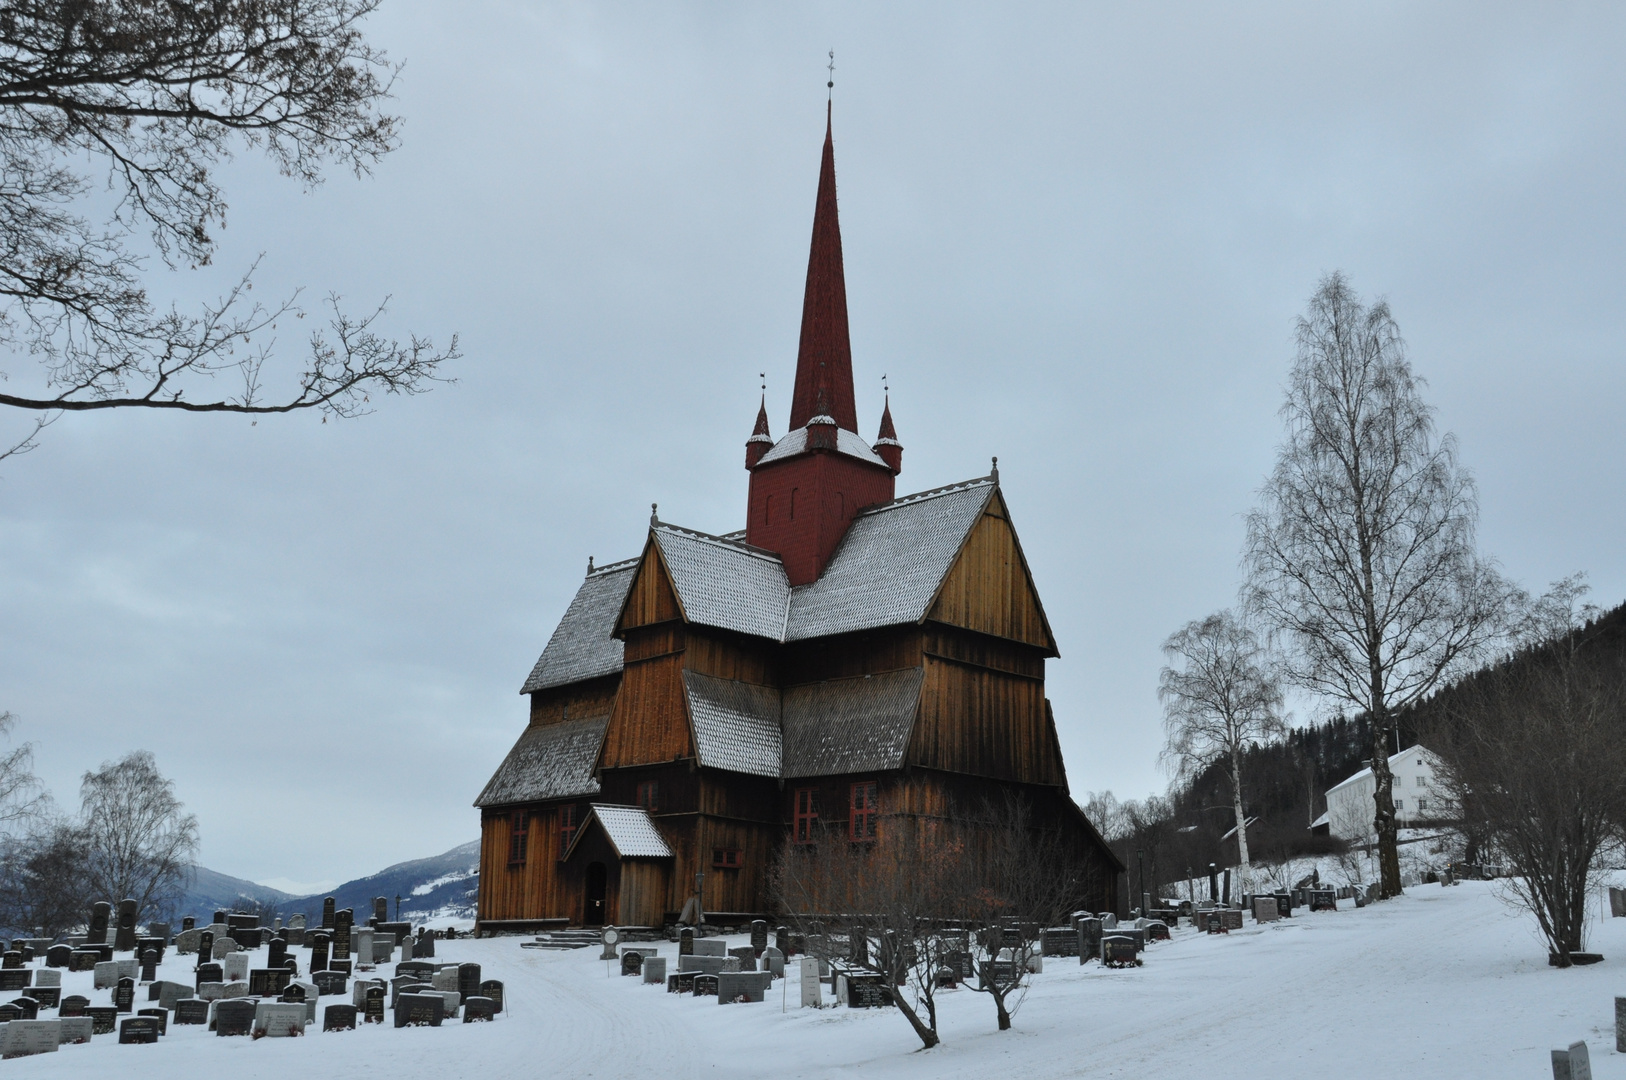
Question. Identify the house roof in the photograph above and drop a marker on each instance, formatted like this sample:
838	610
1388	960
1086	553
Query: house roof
550	761
725	583
628	829
1409	752
849	725
847	442
736	724
582	646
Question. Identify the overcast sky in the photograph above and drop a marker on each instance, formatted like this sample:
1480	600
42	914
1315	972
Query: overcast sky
1076	237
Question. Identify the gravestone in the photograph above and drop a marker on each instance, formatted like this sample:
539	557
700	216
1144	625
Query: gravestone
733	966
1230	919
339	1018
381	909
268	982
171	994
159	1015
686	941
373	1007
812	988
220	917
235	966
383	947
444	979
124	996
759	935
208	973
192	1011
1620	1025
1119	951
235	1017
11	959
419	1010
341	966
705	985
1213	922
84	959
16	979
75	1029
47	977
418	969
276	952
479	1009
423	948
1059	941
224	947
9	1012
73	1005
1159	931
27	1008
149	965
1090	930
330	982
57	956
138	1029
234	989
211	991
401	930
160	931
101	913
1109	921
362	937
680	982
342	922
1264	909
186	942
125	939
103	1019
655	970
294	936
468	980
773	961
1617	902
632	962
329	912
319	948
492	988
25	1038
187	923
47	996
206	945
781	940
865	990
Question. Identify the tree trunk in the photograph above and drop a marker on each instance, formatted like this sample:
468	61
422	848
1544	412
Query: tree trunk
1004	1015
1383	820
1241	822
928	1036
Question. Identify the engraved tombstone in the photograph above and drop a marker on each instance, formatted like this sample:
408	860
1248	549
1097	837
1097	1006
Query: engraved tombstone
759	935
342	921
124	996
103	1019
235	1016
328	913
138	1029
276	952
159	1015
686	941
24	1038
73	1005
149	965
192	1011
655	970
101	913
339	1018
57	956
419	1010
492	988
477	1009
319	948
125	939
208	973
812	988
373	1007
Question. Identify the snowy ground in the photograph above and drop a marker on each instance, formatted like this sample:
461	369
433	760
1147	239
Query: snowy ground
1445	982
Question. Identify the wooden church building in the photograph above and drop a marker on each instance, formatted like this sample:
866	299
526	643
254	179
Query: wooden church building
848	654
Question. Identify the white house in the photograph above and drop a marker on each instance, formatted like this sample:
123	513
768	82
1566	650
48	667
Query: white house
1349	804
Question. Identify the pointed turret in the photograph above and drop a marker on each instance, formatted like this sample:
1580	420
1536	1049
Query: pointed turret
887	446
760	441
824	360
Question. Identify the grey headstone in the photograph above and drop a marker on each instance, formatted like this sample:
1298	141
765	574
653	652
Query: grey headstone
710	947
812	988
47	977
279	1019
75	1029
1580	1062
655	970
192	1011
339	1017
742	986
211	991
234	966
106	975
234	989
235	1017
24	1038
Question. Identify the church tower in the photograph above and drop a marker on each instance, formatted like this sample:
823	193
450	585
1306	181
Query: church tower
807	488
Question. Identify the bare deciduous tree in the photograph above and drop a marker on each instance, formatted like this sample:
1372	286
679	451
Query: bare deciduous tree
1361	552
1221	699
155	96
22	797
42	880
139	843
1534	752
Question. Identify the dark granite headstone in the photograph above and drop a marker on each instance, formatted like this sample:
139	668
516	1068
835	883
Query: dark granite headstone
47	996
343	967
328	912
866	991
268	982
30	1007
1118	951
234	1016
343	921
339	1018
492	988
210	972
206	945
103	1019
705	986
149	965
101	913
11	958
477	1008
84	959
330	982
759	935
373	1006
423	947
124	996
293	992
686	941
159	930
468	980
381	909
416	968
1059	941
138	1029
187	923
10	1012
125	939
632	962
319	948
73	1005
152	941
419	1010
220	916
276	952
57	956
192	1011
161	1015
15	979
681	983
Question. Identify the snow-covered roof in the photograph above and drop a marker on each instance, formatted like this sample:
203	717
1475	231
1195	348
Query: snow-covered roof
628	829
581	646
550	761
1404	755
847	442
1324	819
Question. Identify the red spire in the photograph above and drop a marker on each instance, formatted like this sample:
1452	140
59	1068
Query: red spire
824	362
887	446
760	441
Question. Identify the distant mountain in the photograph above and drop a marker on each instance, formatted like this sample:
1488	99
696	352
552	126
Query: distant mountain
210	892
442	886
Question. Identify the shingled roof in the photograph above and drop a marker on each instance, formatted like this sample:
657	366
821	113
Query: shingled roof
581	646
849	725
550	761
629	830
736	724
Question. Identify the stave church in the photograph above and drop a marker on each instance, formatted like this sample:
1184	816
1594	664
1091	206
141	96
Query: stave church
848	655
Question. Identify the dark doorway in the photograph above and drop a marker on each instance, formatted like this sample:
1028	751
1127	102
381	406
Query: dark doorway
594	913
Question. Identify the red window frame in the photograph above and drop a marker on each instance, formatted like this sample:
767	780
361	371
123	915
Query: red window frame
519	838
863	809
649	795
569	822
726	858
805	814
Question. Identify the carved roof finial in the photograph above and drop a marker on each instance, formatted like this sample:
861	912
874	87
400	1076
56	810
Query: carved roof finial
993	473
654	518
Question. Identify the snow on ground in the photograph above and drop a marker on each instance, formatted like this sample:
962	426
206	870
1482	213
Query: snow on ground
1444	981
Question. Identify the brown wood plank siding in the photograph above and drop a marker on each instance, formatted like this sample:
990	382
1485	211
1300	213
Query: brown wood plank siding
650	598
650	722
979	650
531	890
730	656
848	655
988	590
982	722
578	701
642	895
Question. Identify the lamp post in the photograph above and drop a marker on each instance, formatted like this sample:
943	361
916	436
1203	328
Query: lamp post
1140	858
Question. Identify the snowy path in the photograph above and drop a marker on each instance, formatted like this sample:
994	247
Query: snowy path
1445	982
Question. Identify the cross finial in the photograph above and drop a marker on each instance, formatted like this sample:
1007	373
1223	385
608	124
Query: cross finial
830	86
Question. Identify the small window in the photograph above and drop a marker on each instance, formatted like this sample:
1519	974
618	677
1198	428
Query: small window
649	795
1400	804
1422	805
806	819
863	811
519	837
568	823
1422	781
725	858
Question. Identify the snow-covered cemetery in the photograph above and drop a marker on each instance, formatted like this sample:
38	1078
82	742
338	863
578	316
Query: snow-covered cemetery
1259	378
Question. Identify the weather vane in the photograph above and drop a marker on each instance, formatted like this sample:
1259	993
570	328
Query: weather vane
763	375
885	389
832	83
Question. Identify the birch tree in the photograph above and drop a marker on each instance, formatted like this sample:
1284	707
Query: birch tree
1219	697
138	842
1361	552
